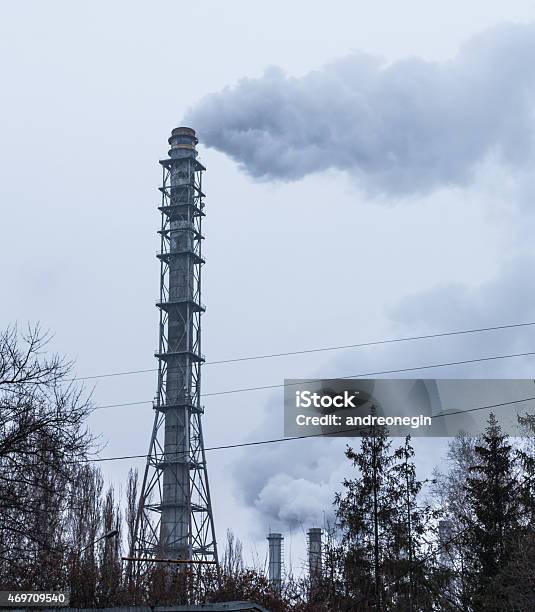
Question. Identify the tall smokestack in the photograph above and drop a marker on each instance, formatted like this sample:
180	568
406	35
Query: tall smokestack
315	564
175	519
275	560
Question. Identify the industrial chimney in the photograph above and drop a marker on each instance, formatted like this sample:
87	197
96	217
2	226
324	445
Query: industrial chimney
275	560
445	533
175	519
315	565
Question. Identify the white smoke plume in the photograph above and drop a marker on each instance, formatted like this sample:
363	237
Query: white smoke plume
408	128
404	128
292	485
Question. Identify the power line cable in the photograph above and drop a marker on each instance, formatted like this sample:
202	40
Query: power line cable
361	375
444	414
324	349
375	343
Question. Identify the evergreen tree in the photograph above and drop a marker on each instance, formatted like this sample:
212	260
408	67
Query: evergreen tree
382	529
364	513
408	573
516	579
493	519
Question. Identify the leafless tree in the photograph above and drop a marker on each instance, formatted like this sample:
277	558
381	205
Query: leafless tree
233	555
43	434
109	553
23	359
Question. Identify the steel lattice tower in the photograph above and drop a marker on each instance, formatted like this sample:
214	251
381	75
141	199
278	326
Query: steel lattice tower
175	519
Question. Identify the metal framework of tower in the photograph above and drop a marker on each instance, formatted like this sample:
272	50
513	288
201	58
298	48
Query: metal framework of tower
175	519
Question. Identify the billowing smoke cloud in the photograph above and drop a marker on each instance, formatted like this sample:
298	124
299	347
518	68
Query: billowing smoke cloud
405	128
291	485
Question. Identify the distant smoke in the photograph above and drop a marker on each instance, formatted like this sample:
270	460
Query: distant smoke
291	485
405	128
294	484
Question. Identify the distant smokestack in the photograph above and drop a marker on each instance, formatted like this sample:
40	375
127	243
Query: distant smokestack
315	565
445	533
275	560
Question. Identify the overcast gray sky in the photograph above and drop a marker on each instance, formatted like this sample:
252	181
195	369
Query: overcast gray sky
313	254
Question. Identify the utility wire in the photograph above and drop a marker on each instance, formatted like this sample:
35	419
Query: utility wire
324	349
361	375
444	413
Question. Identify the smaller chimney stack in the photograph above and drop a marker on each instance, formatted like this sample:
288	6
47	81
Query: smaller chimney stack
445	533
315	563
275	560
